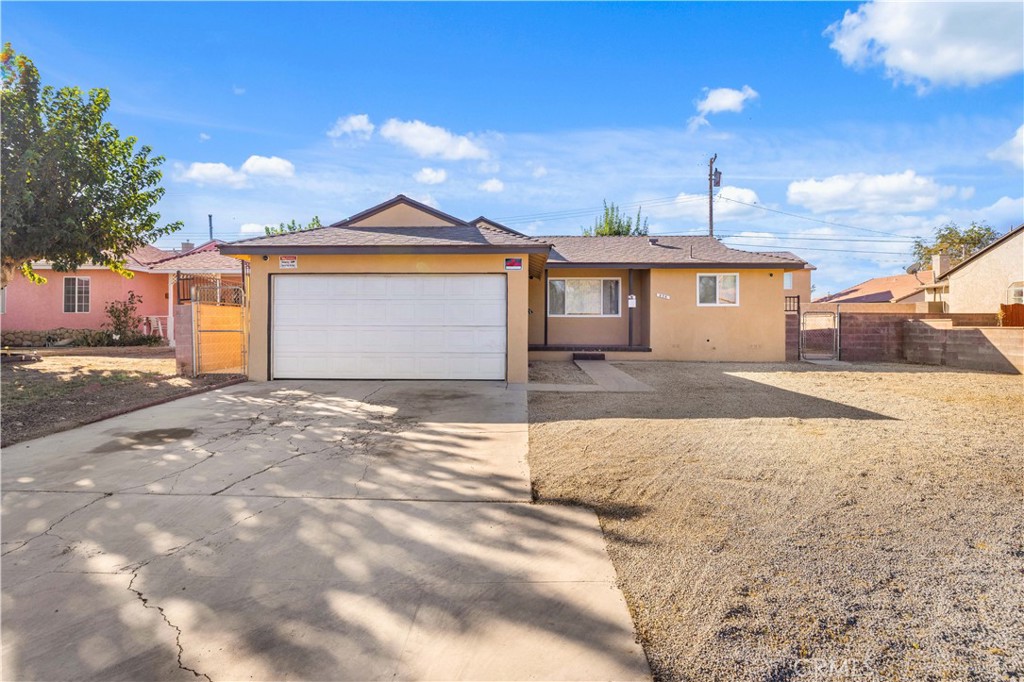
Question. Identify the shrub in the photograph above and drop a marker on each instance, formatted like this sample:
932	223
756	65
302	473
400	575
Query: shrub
124	322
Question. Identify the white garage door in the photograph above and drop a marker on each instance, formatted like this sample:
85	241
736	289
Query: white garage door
388	327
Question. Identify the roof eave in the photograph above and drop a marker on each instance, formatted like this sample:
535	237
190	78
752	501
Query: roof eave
312	250
672	266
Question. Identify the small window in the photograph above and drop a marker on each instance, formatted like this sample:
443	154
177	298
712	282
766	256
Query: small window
718	289
76	294
584	297
3	301
787	280
1015	293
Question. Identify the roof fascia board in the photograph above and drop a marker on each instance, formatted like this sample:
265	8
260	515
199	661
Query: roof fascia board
371	250
673	266
400	199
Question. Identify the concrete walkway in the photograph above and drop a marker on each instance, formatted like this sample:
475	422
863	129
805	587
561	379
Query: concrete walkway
606	377
304	530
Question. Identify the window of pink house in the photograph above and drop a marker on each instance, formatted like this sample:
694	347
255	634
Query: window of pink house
76	294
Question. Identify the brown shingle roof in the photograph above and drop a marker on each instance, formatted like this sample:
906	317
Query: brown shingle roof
148	254
206	257
881	289
667	252
341	239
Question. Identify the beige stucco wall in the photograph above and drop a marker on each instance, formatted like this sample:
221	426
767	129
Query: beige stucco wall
591	330
801	286
980	286
401	215
391	264
679	329
753	331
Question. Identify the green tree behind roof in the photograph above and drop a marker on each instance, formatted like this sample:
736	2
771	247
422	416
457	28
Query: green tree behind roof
614	223
956	242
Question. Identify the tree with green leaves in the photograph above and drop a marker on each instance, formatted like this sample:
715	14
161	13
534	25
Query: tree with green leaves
73	191
293	226
614	223
956	242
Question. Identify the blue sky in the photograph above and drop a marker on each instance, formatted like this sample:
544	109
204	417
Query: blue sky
869	124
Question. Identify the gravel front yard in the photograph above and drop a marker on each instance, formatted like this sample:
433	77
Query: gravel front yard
775	522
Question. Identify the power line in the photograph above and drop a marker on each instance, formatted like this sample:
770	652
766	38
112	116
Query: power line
853	240
803	217
818	248
580	212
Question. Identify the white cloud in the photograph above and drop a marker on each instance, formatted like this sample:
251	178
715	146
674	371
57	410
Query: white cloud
270	166
431	176
355	125
540	172
212	174
203	137
927	43
896	192
237	90
1011	151
254	228
489	167
492	185
222	174
721	99
431	141
694	207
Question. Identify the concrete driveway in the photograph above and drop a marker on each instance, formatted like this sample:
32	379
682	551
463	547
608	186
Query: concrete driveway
304	530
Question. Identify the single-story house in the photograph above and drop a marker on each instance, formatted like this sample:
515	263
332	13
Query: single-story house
72	301
403	290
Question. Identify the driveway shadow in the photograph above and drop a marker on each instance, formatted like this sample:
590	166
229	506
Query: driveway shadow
273	542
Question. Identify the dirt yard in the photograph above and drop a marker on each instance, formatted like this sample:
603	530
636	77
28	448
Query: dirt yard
72	386
777	522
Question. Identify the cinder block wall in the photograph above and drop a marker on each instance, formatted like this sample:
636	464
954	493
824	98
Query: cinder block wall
183	339
937	342
878	337
792	337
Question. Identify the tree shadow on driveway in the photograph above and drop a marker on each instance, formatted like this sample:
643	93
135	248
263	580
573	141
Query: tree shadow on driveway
295	533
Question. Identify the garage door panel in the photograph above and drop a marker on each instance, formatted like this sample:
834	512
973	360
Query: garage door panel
389	326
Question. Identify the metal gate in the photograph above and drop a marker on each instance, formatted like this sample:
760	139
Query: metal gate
819	336
220	329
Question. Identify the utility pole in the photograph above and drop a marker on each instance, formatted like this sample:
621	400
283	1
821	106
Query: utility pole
714	180
210	216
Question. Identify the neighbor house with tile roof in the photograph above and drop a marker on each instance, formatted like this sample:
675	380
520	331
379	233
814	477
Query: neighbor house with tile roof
77	300
909	288
405	291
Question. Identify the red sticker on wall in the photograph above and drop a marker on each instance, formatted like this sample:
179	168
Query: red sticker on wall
513	263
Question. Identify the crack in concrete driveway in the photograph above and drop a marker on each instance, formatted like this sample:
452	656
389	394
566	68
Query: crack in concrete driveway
330	530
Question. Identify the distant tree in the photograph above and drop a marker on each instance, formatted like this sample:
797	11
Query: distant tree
614	223
293	226
73	191
958	243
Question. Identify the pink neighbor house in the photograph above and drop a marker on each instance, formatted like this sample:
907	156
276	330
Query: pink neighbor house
77	300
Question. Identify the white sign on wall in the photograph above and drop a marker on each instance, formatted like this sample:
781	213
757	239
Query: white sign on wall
664	296
288	262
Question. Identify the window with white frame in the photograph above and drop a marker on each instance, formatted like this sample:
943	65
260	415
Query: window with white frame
76	294
718	289
584	297
1015	293
787	280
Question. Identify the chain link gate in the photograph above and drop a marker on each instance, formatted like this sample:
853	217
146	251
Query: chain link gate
819	336
221	329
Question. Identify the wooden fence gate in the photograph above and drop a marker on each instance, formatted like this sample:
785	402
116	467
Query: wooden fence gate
220	327
819	336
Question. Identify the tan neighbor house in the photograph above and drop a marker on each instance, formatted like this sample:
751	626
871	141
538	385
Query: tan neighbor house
991	277
403	290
